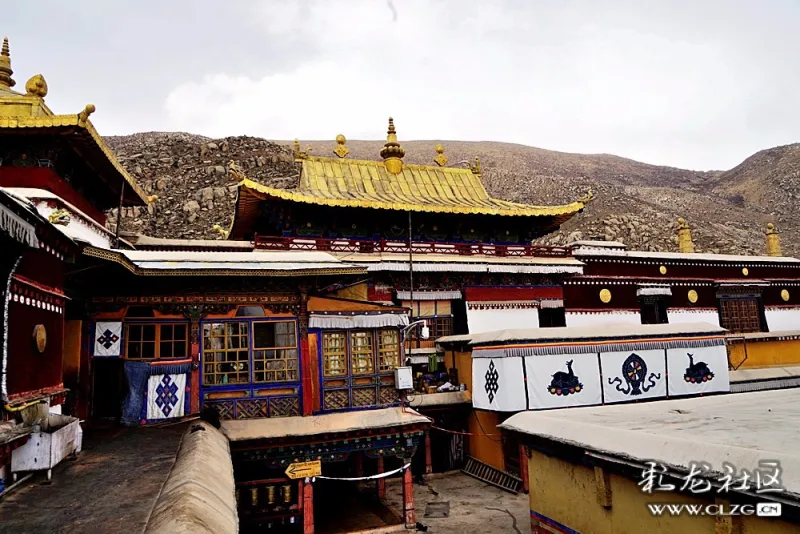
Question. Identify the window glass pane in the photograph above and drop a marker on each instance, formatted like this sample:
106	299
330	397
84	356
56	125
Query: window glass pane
388	350
149	332
148	350
225	355
334	354
275	354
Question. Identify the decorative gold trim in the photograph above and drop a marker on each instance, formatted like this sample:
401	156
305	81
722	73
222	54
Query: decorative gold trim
605	296
341	149
692	296
663	269
745	271
440	159
120	259
785	295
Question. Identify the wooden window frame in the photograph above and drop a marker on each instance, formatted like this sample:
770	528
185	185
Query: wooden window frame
341	356
225	350
157	341
360	354
387	351
733	318
286	360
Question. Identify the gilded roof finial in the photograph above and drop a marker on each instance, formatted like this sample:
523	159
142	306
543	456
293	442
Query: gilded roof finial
476	168
685	243
341	149
392	153
299	154
83	116
221	231
440	159
773	241
588	197
5	66
36	86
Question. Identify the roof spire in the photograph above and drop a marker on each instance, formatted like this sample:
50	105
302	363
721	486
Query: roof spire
685	242
773	241
440	159
392	153
5	66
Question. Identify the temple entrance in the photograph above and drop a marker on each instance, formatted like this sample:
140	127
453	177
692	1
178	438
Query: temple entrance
108	388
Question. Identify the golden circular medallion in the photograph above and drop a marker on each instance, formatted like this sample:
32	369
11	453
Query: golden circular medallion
692	296
745	271
40	337
605	296
785	295
663	269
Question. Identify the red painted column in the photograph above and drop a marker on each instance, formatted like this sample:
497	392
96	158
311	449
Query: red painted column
359	464
428	459
523	467
308	507
308	399
194	403
409	514
381	481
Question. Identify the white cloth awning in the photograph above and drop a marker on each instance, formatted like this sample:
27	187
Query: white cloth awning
654	291
17	228
357	321
429	295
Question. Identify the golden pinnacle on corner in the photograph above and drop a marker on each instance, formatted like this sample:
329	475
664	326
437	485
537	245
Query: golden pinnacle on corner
440	159
773	241
341	149
685	242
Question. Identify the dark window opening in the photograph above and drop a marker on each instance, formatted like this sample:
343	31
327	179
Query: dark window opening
741	315
653	310
552	317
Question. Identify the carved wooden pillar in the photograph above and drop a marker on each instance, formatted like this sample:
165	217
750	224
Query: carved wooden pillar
428	459
308	507
409	513
194	313
359	459
523	467
305	357
381	482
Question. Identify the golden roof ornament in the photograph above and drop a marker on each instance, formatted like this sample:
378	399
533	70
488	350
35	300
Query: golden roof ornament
299	154
234	172
476	168
392	153
773	241
341	149
36	86
83	116
5	66
685	243
588	197
221	231
440	159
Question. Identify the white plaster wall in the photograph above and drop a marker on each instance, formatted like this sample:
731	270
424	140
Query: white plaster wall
480	321
601	318
783	319
683	315
78	229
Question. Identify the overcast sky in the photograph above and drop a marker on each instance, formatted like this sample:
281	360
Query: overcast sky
699	84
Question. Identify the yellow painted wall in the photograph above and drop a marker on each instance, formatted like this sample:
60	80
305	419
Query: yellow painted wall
567	493
764	353
463	362
487	449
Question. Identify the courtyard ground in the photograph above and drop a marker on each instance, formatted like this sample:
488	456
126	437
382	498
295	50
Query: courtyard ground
475	507
110	488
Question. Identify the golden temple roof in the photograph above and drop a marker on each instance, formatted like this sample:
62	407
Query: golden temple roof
394	185
28	111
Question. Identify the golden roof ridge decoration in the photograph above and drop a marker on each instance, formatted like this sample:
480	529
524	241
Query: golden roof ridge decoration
5	66
392	153
36	86
440	159
299	155
476	167
341	149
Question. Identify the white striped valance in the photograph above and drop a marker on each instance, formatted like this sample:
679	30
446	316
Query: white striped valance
514	304
357	321
552	303
17	228
621	346
654	291
429	295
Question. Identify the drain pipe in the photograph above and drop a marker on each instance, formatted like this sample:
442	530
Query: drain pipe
6	301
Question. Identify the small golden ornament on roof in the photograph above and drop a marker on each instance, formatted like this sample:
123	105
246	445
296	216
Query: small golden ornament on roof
440	159
83	116
773	241
36	86
5	66
151	198
476	168
221	231
341	149
299	154
588	197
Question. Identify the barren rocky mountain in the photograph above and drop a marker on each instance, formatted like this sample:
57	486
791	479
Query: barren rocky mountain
635	202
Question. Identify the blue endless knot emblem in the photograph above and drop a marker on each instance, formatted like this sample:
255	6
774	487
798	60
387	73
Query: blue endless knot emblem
492	377
108	338
166	397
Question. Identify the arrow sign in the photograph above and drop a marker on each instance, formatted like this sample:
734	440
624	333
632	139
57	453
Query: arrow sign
304	469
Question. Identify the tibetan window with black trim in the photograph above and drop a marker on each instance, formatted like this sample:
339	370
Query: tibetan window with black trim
334	354
154	341
388	350
275	352
362	355
740	315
